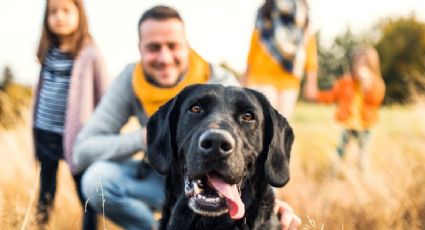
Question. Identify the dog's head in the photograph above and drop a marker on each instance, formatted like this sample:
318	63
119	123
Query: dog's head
217	138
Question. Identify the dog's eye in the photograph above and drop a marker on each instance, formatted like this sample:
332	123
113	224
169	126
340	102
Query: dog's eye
196	108
248	116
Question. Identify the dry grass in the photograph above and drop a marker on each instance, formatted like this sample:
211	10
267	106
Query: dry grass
390	194
18	183
13	98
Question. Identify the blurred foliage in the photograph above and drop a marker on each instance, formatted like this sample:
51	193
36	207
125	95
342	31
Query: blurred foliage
402	51
401	45
14	99
333	60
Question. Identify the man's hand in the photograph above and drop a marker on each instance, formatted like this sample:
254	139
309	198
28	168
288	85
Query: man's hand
288	219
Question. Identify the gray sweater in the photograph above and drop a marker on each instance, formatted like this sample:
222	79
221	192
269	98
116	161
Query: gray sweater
100	138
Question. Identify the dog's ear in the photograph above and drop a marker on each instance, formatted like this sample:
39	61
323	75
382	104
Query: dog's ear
161	132
278	141
161	128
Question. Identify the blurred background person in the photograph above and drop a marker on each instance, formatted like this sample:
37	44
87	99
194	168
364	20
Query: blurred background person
71	82
358	95
282	50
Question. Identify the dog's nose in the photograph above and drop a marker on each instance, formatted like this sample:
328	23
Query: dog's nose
216	141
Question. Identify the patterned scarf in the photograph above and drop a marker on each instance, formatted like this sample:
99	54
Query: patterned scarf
284	33
152	97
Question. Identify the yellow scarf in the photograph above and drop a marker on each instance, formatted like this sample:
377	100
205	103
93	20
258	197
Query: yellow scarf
152	97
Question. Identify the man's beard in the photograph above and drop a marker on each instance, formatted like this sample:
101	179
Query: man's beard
154	82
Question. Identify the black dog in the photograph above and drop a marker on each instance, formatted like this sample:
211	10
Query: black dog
221	149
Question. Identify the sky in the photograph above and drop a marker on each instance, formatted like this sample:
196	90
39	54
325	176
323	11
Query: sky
219	30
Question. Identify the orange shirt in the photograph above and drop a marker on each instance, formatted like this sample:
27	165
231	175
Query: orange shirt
262	68
355	121
344	94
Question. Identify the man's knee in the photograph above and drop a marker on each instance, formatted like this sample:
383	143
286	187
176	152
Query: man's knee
100	185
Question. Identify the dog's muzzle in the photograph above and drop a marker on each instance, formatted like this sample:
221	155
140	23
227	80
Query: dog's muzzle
211	196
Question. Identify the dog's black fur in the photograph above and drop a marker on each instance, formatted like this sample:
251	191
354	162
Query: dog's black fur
258	156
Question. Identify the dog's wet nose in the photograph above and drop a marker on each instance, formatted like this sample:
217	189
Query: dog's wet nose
216	141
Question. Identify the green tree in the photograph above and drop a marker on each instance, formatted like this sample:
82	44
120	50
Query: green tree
333	59
402	50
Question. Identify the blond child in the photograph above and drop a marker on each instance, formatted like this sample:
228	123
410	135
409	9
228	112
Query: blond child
71	81
358	96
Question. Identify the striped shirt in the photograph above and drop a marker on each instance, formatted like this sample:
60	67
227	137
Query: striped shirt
53	95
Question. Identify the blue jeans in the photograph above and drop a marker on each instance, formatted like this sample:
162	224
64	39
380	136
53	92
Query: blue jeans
128	201
362	138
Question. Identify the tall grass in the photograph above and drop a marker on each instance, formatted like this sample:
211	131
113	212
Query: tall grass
14	98
388	194
18	183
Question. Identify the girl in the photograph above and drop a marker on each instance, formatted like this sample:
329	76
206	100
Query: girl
358	96
71	82
282	50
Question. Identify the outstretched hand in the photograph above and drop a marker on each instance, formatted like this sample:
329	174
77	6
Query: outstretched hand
288	219
311	88
310	91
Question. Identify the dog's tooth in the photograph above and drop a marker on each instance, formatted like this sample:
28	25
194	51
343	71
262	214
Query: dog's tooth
199	182
196	188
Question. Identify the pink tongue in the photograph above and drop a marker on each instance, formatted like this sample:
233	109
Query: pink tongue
230	192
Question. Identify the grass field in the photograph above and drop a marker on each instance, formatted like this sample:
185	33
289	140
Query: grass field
388	194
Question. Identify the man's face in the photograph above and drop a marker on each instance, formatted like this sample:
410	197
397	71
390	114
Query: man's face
164	50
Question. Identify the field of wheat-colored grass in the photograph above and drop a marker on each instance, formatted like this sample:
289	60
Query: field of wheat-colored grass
388	194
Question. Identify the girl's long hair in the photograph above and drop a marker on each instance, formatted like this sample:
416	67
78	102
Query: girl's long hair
79	38
372	59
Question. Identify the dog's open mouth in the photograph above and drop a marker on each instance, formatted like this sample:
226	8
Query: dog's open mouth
211	196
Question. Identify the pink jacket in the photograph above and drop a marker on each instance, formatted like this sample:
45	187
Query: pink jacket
89	79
